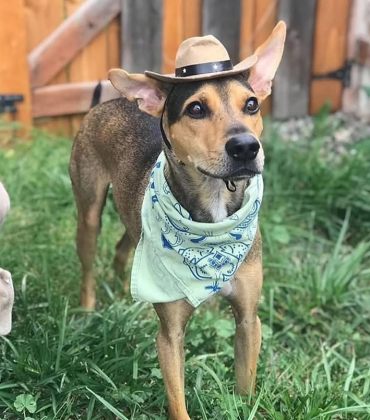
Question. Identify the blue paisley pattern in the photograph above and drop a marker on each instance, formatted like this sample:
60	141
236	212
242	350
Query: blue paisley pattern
202	256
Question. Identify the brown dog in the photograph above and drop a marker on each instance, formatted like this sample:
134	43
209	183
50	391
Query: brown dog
211	130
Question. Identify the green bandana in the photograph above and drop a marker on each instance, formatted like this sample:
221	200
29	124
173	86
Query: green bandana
178	258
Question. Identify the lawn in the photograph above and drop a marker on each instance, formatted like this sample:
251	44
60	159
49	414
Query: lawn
314	363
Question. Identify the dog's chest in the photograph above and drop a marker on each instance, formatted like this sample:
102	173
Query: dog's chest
218	209
214	201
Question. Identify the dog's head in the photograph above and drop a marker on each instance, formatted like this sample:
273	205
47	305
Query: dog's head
213	125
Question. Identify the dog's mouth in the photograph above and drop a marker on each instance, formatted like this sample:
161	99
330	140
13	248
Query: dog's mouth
237	175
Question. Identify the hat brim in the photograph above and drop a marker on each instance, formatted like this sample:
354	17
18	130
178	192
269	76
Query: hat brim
237	69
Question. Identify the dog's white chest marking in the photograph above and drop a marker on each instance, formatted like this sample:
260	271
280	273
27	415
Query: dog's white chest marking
218	207
214	200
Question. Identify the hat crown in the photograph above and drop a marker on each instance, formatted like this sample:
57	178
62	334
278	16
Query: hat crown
200	49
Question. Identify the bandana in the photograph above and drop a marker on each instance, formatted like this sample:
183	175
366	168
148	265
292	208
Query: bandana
177	258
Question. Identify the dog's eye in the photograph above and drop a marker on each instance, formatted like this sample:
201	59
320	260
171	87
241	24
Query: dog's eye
195	110
252	106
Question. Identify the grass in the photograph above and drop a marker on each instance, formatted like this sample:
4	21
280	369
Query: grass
314	362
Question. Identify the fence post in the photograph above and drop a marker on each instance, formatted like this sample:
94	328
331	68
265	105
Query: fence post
292	81
222	19
141	35
258	18
182	19
332	19
14	74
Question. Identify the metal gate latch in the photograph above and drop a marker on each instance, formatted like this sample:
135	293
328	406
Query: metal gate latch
343	74
8	103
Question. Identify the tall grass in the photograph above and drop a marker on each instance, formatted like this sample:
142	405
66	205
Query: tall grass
315	305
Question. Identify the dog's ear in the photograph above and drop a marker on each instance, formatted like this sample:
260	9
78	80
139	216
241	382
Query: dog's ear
149	93
269	56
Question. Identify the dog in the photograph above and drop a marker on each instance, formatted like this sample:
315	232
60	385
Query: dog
203	125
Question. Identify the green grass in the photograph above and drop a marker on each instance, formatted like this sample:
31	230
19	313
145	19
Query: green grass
314	362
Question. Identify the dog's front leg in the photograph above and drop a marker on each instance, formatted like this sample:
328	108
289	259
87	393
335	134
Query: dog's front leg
244	299
173	318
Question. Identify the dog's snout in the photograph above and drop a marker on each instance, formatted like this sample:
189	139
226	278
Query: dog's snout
242	147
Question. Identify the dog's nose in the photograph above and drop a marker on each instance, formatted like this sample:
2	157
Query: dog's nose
242	147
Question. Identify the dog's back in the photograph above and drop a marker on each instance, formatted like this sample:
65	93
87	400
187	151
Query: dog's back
118	144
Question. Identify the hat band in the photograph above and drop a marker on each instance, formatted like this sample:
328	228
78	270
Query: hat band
204	68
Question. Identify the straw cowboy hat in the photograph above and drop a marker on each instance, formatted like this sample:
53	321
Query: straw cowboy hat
200	58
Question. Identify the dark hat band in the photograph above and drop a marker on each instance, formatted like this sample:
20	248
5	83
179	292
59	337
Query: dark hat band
204	68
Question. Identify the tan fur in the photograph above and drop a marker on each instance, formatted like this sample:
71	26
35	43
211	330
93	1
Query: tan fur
118	144
238	98
210	133
246	291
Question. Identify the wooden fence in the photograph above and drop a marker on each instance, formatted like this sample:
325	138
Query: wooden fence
54	52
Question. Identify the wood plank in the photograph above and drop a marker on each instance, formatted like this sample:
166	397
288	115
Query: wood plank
293	79
73	98
54	53
247	30
39	28
142	35
91	63
113	38
265	19
13	58
182	19
332	18
258	19
172	32
222	19
85	66
192	15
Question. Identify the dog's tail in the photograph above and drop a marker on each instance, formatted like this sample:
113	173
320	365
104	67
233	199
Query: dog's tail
96	95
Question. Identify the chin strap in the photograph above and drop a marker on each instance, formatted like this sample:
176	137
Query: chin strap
164	137
230	185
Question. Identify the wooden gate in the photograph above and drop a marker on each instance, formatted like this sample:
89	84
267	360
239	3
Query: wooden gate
71	45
